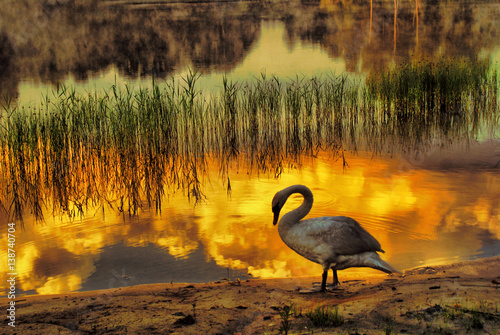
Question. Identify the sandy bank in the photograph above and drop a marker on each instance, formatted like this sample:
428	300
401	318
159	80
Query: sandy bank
448	299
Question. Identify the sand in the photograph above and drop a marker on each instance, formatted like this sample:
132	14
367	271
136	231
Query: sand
449	299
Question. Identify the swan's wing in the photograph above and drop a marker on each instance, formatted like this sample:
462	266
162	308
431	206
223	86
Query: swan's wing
343	234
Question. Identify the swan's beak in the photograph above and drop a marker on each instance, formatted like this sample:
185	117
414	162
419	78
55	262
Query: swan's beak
276	211
276	217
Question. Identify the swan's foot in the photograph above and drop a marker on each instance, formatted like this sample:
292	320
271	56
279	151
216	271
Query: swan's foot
334	286
328	287
331	286
317	289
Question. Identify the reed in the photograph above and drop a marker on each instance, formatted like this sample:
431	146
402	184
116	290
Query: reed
127	148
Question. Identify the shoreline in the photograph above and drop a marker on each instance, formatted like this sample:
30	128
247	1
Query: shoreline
446	299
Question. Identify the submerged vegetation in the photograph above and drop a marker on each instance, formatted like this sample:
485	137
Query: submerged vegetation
128	148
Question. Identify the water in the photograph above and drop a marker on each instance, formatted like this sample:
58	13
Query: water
434	207
428	213
128	44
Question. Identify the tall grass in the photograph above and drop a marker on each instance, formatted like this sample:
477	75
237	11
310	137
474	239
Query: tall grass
127	148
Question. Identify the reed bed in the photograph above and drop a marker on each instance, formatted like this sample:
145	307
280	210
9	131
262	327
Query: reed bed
128	149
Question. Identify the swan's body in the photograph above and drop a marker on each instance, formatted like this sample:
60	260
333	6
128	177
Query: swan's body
335	242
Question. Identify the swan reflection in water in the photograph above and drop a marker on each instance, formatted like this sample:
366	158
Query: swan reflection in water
334	242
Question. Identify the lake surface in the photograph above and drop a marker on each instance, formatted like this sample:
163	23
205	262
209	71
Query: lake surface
426	205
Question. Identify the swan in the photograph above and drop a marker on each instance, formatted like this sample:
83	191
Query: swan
334	242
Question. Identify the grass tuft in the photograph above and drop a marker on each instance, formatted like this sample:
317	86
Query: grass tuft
323	317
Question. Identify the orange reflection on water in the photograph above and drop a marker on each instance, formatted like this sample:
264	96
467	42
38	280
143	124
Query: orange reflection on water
420	216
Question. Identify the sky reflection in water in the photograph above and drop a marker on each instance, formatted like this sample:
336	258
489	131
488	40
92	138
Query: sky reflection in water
421	214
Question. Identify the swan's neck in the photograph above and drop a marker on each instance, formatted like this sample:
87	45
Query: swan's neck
292	218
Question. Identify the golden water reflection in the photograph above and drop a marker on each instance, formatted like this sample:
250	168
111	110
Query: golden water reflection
421	211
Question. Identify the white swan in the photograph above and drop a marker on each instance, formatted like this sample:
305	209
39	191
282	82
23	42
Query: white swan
335	242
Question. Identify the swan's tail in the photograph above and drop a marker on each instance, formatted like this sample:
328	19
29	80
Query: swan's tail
382	265
367	259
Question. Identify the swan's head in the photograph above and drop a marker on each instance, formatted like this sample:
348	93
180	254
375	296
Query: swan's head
281	197
277	204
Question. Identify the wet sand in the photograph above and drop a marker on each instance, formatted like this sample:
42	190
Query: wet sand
449	299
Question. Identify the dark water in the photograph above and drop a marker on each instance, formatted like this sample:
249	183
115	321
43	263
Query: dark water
428	207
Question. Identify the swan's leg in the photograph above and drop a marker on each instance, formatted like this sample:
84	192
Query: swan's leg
323	283
336	282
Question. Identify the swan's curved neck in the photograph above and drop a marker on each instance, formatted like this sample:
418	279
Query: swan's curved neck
293	217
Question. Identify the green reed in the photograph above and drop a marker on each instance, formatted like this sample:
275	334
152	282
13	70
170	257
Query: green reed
128	149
